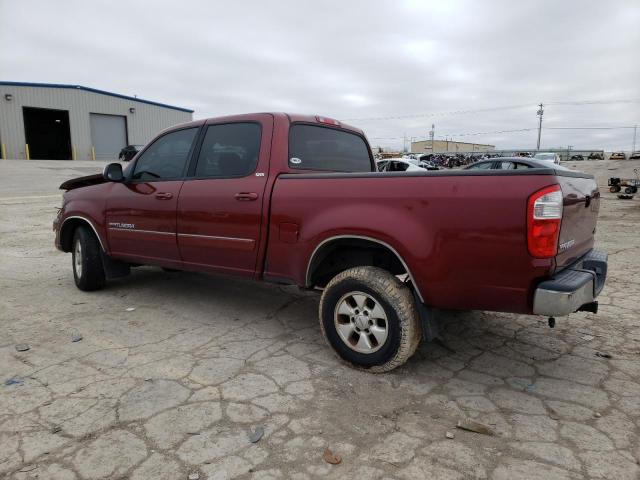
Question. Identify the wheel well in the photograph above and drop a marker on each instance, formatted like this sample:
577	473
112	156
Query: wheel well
68	229
341	254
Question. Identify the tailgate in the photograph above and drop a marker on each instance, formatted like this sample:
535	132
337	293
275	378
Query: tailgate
580	213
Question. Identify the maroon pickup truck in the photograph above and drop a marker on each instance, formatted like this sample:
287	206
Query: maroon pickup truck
296	199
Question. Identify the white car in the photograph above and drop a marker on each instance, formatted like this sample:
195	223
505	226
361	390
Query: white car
548	157
398	165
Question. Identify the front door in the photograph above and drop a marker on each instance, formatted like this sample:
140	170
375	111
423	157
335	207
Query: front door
220	205
141	212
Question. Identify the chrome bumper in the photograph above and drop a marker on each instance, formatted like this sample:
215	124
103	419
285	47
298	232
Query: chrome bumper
574	288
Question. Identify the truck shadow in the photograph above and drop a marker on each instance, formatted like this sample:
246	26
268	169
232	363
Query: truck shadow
491	344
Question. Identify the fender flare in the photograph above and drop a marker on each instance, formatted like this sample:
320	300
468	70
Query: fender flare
370	239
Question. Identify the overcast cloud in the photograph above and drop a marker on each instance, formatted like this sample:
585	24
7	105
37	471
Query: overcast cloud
351	60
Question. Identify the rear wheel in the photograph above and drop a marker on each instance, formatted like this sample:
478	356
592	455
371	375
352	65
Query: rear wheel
369	318
614	188
88	271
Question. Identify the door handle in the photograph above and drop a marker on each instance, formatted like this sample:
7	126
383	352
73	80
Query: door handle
246	196
164	196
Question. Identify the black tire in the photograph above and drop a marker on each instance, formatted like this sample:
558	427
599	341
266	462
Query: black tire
88	271
629	190
396	300
614	188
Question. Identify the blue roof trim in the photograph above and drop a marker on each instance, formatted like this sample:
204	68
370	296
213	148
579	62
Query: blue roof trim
92	90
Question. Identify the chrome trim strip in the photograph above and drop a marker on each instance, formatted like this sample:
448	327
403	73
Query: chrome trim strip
362	237
193	235
90	224
140	231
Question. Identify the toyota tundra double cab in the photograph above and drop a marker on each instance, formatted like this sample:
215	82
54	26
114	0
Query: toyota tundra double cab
296	199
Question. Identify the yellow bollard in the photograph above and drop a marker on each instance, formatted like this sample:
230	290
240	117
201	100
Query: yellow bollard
26	151
73	153
93	153
4	152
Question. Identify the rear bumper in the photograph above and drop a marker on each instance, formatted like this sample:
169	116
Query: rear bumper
574	288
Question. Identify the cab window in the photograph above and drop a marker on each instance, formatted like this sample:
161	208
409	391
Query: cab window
229	150
165	159
323	148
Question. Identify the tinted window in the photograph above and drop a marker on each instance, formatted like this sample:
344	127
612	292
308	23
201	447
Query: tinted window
521	166
506	166
229	150
481	166
320	148
166	157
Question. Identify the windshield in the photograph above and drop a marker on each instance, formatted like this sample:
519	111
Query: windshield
321	148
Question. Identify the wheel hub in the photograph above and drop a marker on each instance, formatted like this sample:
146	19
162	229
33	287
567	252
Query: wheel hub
361	322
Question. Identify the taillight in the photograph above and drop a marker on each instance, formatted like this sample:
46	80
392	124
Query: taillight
544	216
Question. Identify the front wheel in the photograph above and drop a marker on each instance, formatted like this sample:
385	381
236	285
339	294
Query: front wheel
369	318
88	271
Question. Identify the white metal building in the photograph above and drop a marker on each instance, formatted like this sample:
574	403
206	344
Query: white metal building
64	122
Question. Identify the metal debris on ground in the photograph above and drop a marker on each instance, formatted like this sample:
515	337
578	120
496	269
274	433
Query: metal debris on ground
587	338
597	414
449	435
130	309
56	429
473	426
603	355
194	476
76	336
330	457
256	435
13	381
22	347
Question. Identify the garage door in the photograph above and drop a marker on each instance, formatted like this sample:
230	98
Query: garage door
108	135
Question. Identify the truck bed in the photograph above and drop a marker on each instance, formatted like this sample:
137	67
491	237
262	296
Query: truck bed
462	234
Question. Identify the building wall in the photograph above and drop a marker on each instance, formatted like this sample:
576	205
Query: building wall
142	125
443	146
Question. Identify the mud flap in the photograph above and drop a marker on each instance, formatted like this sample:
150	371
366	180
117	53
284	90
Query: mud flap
428	322
114	268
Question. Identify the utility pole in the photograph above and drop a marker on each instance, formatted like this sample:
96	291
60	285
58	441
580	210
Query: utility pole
432	134
635	131
539	113
404	143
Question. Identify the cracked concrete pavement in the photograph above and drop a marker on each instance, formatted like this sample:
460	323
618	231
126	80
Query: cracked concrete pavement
175	386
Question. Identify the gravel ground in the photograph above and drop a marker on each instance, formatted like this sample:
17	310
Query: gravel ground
175	371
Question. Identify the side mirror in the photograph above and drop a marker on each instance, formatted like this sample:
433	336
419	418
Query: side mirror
113	173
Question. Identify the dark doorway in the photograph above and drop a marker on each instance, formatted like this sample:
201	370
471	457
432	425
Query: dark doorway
47	133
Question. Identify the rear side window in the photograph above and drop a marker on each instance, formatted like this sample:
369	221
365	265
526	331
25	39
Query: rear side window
481	166
229	150
321	148
166	157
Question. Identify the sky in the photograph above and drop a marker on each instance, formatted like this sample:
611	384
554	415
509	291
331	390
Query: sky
391	68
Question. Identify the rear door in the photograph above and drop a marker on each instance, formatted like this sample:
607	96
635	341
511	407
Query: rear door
220	205
141	213
580	213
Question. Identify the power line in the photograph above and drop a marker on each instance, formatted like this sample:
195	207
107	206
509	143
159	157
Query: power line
467	134
437	114
492	109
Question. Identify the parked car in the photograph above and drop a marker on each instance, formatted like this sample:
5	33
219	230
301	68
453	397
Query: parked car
596	156
512	163
634	156
577	157
401	165
548	157
618	156
295	199
128	152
